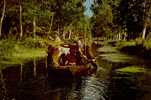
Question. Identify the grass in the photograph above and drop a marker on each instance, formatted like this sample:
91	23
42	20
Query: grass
14	52
145	43
122	44
138	47
116	57
107	49
131	69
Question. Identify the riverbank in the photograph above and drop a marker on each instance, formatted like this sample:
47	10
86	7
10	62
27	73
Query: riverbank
13	52
139	48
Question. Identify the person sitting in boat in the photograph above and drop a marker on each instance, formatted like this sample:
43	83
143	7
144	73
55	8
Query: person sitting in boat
53	56
64	51
73	56
78	55
54	52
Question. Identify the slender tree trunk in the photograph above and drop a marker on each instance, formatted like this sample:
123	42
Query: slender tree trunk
51	24
119	36
70	34
145	17
64	35
21	26
2	18
58	29
34	26
144	31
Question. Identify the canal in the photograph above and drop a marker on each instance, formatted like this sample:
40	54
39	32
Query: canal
118	77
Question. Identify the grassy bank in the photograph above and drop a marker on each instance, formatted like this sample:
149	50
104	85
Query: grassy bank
14	51
138	47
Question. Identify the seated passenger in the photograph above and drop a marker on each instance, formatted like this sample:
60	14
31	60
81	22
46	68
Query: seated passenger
72	55
53	56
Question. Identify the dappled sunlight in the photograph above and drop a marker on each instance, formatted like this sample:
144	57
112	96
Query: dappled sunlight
131	69
116	57
75	49
107	49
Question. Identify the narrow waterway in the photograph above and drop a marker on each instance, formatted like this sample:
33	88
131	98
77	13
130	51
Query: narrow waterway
31	81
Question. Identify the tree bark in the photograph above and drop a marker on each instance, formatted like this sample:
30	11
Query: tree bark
21	26
2	18
144	31
64	35
70	34
51	23
34	26
119	36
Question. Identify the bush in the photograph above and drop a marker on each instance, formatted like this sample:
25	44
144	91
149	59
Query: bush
36	42
139	41
7	47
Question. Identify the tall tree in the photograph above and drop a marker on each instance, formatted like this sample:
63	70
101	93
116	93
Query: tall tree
37	13
66	12
2	16
147	16
133	16
20	15
102	19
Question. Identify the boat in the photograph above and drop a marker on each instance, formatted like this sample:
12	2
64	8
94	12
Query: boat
82	67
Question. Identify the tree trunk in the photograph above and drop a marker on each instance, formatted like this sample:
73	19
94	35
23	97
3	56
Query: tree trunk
119	36
2	18
34	26
144	31
51	24
64	35
21	26
58	29
70	34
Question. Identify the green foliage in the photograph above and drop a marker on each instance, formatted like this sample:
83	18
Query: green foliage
49	15
122	44
103	18
36	42
112	17
17	52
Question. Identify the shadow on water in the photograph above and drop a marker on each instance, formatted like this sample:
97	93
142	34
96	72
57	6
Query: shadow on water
130	83
126	86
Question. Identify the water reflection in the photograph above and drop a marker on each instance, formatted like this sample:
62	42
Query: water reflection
89	88
35	81
126	86
32	81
